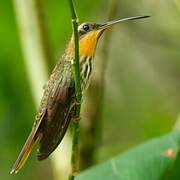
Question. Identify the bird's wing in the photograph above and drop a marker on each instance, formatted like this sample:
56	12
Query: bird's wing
51	117
59	110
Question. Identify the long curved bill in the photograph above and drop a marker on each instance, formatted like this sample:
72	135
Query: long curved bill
113	22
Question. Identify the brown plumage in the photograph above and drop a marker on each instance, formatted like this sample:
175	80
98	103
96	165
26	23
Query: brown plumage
55	111
58	104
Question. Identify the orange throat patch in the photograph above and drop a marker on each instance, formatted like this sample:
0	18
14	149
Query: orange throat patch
87	44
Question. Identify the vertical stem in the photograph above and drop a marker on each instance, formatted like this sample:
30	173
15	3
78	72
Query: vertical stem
77	79
75	151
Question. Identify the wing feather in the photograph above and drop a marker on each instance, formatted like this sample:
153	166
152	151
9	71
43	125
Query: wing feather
59	112
32	139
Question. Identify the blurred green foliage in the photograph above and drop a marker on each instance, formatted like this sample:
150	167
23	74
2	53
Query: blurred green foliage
142	80
17	108
153	160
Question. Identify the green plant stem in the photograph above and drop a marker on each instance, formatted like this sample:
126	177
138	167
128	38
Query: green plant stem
76	70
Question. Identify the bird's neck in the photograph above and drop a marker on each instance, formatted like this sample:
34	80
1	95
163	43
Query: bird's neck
87	45
87	48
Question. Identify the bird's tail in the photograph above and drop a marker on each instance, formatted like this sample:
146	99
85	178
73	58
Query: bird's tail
25	152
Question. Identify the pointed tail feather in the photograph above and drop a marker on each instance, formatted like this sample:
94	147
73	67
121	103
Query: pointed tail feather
25	152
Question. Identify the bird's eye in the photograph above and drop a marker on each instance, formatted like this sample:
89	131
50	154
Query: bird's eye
86	27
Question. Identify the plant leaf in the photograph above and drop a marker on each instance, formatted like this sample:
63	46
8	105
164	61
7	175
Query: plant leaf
150	161
174	172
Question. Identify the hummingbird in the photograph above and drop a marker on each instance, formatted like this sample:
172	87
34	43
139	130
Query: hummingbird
58	104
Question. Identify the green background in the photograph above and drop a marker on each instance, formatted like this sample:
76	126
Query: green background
142	78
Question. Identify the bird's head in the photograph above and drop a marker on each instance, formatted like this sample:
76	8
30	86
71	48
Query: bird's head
89	34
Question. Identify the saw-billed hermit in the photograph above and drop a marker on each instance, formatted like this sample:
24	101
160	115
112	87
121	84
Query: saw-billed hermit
57	107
